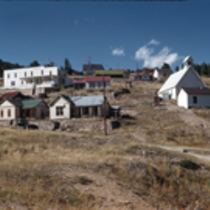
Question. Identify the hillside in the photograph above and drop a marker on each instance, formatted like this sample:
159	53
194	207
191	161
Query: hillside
81	168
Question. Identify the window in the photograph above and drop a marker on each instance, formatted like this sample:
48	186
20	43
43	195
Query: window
195	99
2	113
25	74
42	72
59	110
12	83
31	73
50	73
92	84
8	76
15	75
9	113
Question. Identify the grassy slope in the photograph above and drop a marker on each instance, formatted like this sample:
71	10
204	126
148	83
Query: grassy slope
61	170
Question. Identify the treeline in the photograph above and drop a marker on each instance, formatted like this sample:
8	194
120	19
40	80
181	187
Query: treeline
7	65
203	69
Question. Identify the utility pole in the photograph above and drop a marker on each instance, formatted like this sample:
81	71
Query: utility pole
105	127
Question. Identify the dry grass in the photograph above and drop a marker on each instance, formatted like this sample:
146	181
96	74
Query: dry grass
32	169
63	170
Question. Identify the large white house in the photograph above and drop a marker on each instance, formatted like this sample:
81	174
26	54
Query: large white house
35	77
186	77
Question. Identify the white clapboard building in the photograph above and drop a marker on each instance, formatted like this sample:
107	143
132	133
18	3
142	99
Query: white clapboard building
35	77
186	77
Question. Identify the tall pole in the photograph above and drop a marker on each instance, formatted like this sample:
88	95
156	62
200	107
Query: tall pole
105	127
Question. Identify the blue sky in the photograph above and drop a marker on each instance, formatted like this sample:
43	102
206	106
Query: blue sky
115	34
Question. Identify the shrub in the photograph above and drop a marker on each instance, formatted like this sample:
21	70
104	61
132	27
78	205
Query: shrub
170	139
188	164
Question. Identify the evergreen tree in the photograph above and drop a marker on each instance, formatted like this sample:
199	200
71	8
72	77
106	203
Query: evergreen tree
67	67
204	69
34	63
177	68
165	66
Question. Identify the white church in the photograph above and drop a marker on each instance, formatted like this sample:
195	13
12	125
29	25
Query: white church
187	87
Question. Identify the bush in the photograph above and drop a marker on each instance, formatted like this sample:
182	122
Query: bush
188	164
170	139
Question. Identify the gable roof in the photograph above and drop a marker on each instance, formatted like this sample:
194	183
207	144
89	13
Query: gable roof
84	101
14	102
81	101
31	103
97	79
10	94
24	104
197	90
142	73
91	67
109	72
176	77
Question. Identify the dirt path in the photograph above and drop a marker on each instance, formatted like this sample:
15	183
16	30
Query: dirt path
183	149
115	195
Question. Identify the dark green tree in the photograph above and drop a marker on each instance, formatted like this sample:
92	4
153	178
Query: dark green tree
34	63
50	64
204	69
197	68
177	68
165	66
67	66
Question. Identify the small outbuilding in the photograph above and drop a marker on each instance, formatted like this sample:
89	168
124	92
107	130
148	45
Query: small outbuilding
193	97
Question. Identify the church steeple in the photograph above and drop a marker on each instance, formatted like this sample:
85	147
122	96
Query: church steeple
188	60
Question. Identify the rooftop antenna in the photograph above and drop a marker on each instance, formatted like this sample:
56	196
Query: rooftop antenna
89	59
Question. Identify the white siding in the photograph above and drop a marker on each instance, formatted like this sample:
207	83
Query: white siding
4	108
189	80
202	101
145	77
17	78
66	110
182	99
96	84
156	74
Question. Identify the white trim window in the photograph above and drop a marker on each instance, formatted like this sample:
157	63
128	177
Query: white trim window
59	111
12	83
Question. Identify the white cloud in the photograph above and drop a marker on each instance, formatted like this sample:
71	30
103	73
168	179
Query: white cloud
118	52
154	42
146	54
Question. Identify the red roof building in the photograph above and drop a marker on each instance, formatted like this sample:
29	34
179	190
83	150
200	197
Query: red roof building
10	94
98	79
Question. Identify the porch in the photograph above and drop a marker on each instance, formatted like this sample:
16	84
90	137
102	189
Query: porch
86	111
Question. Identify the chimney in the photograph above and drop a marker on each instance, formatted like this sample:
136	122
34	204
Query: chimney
70	94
